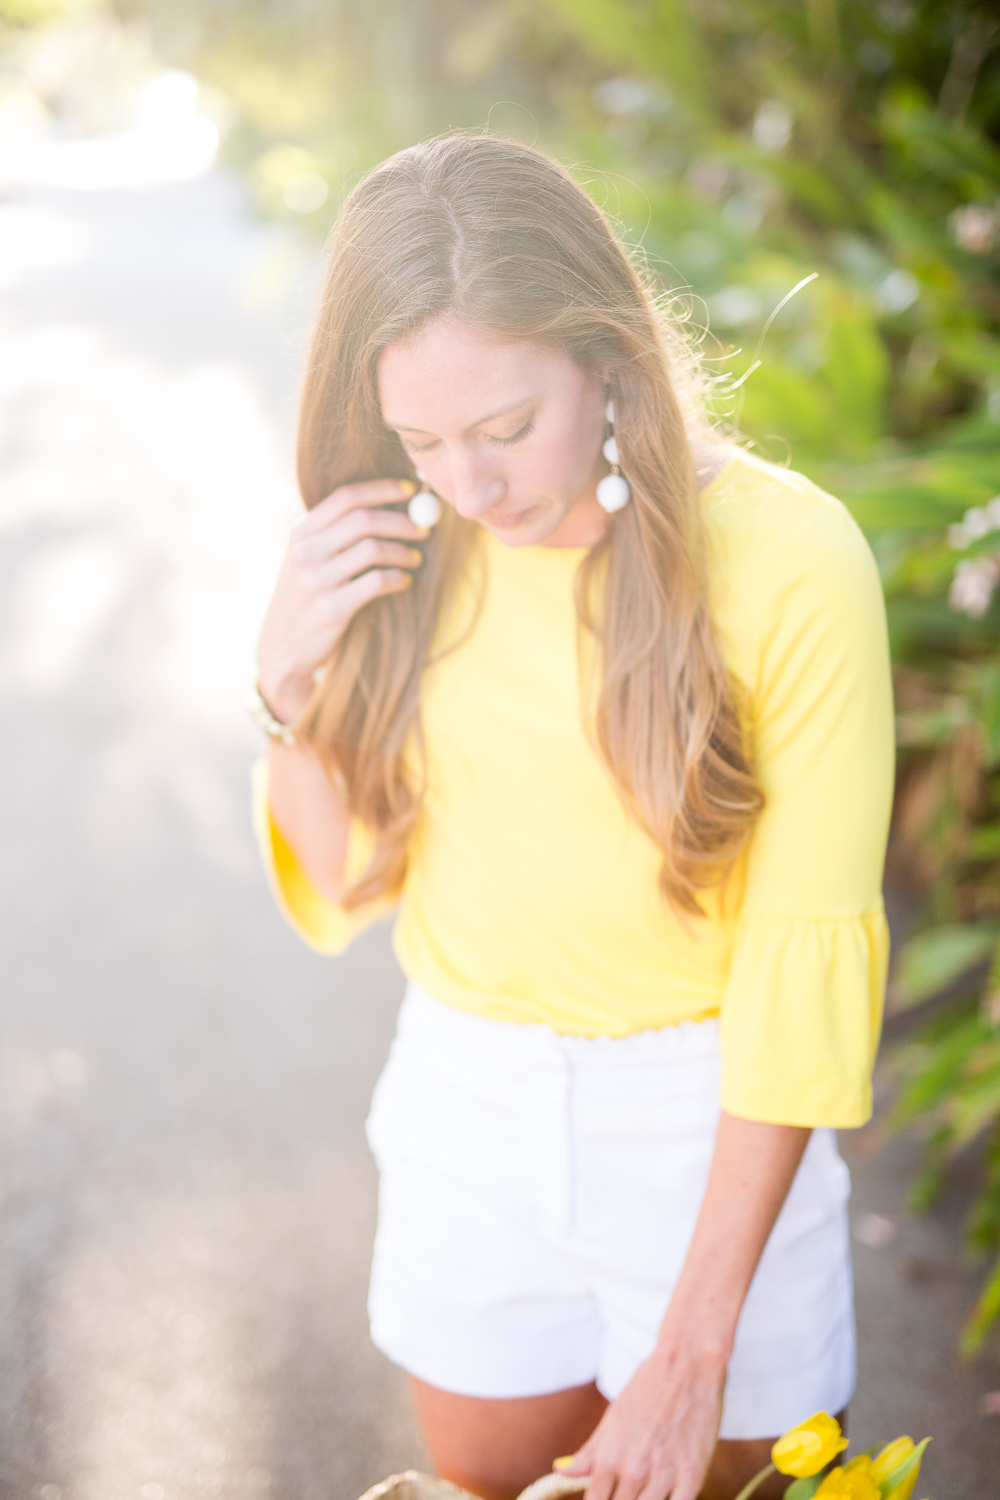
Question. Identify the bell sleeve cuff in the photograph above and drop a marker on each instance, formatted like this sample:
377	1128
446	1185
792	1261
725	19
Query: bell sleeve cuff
801	1016
321	923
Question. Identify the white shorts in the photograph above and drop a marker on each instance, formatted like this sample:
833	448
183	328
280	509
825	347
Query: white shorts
537	1197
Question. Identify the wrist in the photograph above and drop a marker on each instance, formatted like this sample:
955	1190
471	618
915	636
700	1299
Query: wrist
706	1361
707	1347
286	697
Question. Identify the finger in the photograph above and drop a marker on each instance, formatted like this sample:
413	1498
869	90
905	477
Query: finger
578	1463
573	1464
308	549
681	1483
370	552
371	585
630	1482
348	497
602	1482
660	1484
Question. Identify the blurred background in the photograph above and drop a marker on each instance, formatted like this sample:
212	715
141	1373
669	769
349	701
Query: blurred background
186	1200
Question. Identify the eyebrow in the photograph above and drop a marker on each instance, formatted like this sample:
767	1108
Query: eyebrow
524	401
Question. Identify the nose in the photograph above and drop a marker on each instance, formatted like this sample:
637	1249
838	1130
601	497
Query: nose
476	486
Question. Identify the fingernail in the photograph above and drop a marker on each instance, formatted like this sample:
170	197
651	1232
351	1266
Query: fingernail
563	1463
417	557
407	487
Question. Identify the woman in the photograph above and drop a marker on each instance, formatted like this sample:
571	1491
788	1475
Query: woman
621	751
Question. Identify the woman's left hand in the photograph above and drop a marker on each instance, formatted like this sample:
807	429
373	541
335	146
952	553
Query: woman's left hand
657	1438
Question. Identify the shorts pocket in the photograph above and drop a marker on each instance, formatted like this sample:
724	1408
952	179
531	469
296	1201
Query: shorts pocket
422	1121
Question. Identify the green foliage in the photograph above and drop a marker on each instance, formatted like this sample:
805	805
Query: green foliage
984	1227
983	1315
803	1489
747	144
938	957
26	13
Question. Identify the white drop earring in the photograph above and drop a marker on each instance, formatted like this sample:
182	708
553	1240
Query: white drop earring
424	510
613	491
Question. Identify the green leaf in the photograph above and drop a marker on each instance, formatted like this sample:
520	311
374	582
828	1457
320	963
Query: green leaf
933	726
923	625
946	149
988	710
925	1187
663	42
983	1315
934	959
804	1489
778	398
919	492
976	1104
911	505
856	371
983	1231
903	1471
936	1067
984	843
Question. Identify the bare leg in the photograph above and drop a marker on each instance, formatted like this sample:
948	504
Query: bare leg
496	1448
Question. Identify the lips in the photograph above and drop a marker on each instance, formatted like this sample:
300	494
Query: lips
506	521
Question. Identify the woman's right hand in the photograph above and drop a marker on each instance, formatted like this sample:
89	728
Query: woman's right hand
345	552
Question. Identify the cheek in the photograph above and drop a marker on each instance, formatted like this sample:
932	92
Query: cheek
568	456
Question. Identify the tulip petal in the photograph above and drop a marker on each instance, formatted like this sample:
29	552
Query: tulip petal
805	1449
892	1455
899	1484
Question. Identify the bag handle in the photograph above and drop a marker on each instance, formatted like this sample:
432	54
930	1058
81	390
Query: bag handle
412	1485
554	1486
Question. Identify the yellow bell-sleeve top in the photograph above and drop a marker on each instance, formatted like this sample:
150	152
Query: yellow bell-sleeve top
531	896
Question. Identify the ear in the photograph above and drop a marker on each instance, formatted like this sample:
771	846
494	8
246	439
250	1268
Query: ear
602	386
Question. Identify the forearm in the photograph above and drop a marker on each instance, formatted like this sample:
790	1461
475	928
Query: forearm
752	1170
311	815
303	801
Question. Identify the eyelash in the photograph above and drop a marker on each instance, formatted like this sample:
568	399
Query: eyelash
507	442
518	437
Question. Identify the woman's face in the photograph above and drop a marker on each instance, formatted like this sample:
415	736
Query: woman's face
509	433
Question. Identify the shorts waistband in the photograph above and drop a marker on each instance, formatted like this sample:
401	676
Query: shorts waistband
433	1023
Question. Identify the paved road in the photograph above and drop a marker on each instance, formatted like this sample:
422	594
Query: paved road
187	1201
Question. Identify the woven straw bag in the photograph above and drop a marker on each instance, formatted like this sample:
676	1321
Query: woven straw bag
414	1486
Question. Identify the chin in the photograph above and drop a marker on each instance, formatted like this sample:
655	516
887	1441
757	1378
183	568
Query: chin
519	531
538	524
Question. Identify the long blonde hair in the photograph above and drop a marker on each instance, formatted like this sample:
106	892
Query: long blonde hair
502	237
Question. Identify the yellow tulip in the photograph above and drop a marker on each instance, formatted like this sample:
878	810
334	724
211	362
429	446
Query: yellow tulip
889	1460
809	1447
904	1490
892	1456
855	1481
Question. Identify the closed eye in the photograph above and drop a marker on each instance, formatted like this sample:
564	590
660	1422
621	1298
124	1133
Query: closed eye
517	437
500	442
